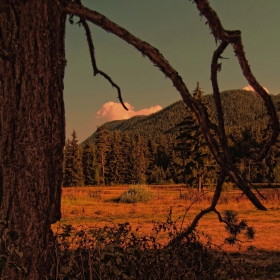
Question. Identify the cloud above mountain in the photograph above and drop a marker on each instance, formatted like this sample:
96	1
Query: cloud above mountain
249	88
114	111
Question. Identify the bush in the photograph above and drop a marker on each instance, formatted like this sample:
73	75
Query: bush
137	193
117	253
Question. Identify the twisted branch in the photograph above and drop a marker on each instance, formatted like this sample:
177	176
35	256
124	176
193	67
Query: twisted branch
158	60
96	71
234	38
203	212
217	98
94	65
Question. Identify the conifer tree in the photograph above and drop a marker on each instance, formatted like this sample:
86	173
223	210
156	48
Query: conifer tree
192	150
138	159
151	161
67	165
101	152
162	152
73	174
114	160
88	163
172	166
126	159
244	144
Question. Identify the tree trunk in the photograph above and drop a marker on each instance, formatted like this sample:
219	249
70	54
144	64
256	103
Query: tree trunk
32	125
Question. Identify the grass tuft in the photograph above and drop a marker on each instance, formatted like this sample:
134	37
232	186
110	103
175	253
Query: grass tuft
137	193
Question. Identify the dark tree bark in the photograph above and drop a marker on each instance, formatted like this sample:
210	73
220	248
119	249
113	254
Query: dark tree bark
32	123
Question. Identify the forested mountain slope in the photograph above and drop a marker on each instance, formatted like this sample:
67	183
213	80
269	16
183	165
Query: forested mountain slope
168	147
241	108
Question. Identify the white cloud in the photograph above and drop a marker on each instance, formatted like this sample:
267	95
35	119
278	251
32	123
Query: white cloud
114	111
249	88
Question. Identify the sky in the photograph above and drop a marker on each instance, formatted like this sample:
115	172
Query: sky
177	30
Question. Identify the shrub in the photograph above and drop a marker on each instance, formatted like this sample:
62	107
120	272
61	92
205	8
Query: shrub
118	253
137	193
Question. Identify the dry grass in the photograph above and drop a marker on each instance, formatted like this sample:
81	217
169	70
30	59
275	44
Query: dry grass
99	206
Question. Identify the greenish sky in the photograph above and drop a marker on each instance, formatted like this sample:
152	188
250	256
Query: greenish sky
177	30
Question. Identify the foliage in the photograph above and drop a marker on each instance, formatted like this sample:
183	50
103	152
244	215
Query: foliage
88	163
114	160
240	109
126	156
235	228
136	193
138	151
102	148
194	159
73	170
117	252
145	149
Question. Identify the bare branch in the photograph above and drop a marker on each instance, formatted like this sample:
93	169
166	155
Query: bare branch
217	97
91	46
94	65
234	38
227	164
114	85
211	208
158	60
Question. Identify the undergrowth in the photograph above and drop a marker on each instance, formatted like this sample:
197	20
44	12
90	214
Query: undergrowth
116	252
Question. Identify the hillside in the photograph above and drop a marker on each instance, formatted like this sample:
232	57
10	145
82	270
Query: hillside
241	108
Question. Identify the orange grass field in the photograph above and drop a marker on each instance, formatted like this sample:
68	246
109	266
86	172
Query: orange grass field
99	206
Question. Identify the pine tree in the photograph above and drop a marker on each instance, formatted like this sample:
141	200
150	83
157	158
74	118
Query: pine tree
73	170
138	159
126	159
163	149
101	152
151	160
191	149
67	165
88	163
114	160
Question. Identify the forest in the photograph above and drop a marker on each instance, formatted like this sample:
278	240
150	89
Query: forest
167	147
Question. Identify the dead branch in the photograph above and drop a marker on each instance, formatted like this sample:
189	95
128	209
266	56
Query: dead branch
217	97
158	60
94	65
203	212
233	37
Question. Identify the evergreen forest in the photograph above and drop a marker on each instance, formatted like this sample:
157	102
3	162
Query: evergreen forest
167	147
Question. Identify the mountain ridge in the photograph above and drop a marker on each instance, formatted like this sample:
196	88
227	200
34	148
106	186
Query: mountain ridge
241	108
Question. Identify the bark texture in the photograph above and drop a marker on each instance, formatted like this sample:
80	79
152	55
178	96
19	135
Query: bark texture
32	125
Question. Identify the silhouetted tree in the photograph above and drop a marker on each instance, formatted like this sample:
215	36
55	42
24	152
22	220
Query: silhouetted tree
101	151
88	163
138	152
114	160
73	170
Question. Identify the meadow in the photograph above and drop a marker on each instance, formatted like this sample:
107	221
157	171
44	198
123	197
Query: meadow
96	207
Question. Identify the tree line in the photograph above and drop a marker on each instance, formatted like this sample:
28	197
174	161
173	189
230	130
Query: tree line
178	155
